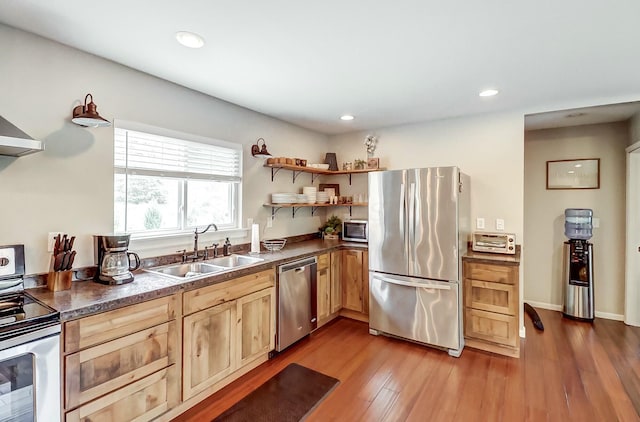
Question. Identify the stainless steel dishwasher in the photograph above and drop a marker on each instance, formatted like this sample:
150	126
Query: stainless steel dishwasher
297	310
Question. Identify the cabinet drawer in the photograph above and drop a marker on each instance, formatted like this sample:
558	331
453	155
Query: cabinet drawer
107	326
206	297
506	274
143	400
490	326
323	261
101	369
492	297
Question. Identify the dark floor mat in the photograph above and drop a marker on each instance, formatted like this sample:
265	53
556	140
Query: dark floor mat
288	396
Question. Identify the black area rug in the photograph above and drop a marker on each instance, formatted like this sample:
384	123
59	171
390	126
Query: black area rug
289	396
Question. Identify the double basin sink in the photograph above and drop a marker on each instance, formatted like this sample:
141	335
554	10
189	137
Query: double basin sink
200	269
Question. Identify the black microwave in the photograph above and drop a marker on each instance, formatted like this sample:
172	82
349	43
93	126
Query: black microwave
355	230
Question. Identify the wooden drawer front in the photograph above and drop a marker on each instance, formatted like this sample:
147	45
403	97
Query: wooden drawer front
101	369
257	325
107	326
143	400
209	347
323	261
506	274
492	297
206	297
489	326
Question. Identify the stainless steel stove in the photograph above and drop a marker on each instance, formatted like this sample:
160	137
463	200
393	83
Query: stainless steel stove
29	347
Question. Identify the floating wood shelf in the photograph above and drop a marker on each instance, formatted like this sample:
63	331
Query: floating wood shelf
294	207
297	170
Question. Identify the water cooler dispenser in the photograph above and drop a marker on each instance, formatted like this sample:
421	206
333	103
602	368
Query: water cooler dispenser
578	265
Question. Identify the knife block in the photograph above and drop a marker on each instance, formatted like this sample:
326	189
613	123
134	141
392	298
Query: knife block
59	280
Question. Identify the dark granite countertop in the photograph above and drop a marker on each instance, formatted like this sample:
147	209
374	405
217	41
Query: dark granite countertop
88	297
493	258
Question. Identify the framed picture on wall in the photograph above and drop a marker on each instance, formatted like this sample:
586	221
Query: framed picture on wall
581	173
373	163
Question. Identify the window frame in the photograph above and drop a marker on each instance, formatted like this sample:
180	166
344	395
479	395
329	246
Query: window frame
184	228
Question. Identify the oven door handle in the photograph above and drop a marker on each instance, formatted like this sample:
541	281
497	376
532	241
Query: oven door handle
7	284
419	285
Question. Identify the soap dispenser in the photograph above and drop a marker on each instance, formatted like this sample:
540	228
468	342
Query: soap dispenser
226	249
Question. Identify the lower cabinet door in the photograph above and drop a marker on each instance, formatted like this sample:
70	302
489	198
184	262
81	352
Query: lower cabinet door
209	347
256	325
141	401
323	296
98	370
336	281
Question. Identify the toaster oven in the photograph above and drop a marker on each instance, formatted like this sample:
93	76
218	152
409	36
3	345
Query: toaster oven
504	243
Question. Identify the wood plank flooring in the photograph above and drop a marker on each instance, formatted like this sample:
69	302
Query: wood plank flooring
573	371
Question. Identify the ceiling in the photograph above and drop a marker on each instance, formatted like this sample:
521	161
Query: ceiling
582	116
384	62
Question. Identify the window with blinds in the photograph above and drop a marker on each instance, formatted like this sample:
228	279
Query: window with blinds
166	184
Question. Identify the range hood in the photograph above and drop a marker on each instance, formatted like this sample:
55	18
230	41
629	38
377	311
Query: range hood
16	143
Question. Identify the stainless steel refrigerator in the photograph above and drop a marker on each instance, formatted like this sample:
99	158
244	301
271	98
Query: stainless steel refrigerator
419	225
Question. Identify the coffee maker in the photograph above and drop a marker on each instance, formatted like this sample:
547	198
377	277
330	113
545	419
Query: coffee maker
113	259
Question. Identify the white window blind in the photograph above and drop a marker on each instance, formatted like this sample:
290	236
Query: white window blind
144	153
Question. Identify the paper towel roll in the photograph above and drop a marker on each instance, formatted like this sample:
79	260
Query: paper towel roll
255	238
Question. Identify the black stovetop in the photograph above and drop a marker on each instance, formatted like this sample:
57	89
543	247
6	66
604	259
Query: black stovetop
20	313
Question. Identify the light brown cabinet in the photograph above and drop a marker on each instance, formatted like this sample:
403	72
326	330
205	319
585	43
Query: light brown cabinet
355	284
329	290
221	339
335	277
491	306
256	325
121	364
323	282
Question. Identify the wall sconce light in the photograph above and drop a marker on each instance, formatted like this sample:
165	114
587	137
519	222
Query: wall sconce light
87	115
259	152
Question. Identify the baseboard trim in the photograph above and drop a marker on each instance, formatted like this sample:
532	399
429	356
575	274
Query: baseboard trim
551	307
545	305
609	315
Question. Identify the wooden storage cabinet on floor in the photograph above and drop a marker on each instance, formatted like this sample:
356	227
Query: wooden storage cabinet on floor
219	340
121	364
355	284
491	312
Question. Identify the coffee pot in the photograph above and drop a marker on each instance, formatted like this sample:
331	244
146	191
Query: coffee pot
113	259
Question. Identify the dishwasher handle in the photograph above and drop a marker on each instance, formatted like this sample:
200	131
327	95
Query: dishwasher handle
297	265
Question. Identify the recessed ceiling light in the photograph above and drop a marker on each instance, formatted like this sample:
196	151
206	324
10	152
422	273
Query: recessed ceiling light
571	172
189	39
347	117
488	93
578	165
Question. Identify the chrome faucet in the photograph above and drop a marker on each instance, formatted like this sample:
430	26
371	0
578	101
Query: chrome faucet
196	233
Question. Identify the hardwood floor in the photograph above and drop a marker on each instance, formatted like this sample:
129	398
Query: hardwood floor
573	371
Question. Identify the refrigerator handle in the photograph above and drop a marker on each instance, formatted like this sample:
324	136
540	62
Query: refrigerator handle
425	285
412	226
403	198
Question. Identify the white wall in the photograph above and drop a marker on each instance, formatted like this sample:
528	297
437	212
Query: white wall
544	213
69	186
634	129
489	148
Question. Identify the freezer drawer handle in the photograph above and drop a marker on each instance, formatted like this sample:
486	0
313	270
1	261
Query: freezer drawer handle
418	285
